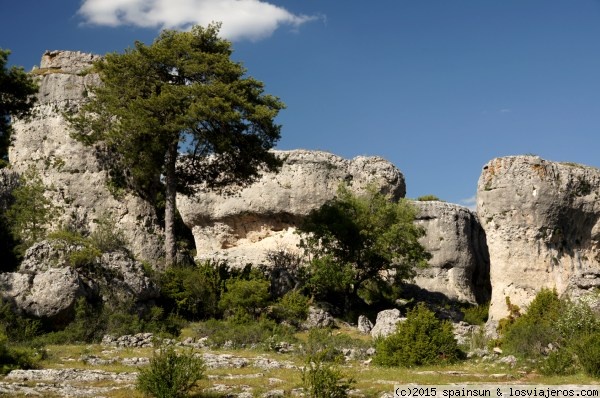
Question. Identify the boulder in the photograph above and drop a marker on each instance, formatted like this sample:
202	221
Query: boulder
542	222
76	181
364	324
47	285
459	267
386	322
261	218
318	318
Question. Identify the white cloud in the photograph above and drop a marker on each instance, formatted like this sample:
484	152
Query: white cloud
470	203
250	19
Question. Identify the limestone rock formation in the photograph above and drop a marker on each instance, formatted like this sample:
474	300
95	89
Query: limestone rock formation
386	322
542	222
459	268
242	228
48	285
77	183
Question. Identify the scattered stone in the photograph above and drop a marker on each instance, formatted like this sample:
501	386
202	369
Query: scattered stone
386	323
318	318
364	324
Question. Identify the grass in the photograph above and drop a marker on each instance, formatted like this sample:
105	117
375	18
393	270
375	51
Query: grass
372	380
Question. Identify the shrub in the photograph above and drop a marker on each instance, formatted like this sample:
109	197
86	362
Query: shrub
292	307
559	362
324	380
530	334
170	375
420	340
193	292
107	237
245	297
588	353
428	198
15	358
31	212
264	333
476	315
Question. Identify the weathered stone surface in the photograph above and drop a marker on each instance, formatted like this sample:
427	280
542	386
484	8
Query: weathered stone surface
48	286
364	324
9	180
542	221
318	318
242	228
71	171
459	268
386	321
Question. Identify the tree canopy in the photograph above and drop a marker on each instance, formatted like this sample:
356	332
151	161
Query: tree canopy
355	239
182	93
17	97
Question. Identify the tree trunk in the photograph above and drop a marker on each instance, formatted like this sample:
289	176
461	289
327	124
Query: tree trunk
170	206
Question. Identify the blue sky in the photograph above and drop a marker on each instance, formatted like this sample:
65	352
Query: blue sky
438	87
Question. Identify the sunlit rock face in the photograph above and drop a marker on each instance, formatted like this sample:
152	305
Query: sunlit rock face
76	182
541	220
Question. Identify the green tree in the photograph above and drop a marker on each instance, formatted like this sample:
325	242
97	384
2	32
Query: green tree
17	90
181	92
357	239
31	212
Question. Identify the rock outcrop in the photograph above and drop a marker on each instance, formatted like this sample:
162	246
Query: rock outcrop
542	222
242	228
48	285
459	267
75	180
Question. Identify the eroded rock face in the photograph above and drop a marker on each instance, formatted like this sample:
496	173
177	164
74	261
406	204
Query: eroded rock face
47	284
542	221
459	267
76	183
244	227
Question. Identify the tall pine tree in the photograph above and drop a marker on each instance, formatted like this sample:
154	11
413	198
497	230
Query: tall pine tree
181	92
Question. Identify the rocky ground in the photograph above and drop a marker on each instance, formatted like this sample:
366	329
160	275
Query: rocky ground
110	369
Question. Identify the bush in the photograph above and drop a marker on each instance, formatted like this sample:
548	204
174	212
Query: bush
193	292
530	334
324	380
292	307
264	333
170	375
476	315
420	340
245	297
588	353
16	358
559	362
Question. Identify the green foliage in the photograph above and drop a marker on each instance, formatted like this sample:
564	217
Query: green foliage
193	292
31	213
245	297
17	328
16	357
170	374
530	334
329	346
420	340
428	198
559	362
182	88
354	239
292	308
17	90
476	315
107	237
588	353
324	380
262	333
